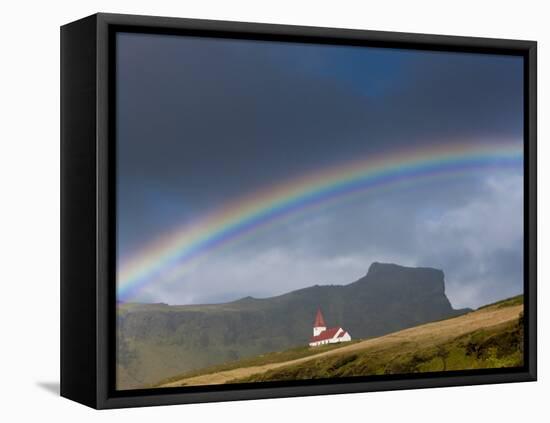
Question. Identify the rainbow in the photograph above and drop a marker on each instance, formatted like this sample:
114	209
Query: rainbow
249	213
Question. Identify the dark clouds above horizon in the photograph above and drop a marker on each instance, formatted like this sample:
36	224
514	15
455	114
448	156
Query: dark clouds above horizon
202	121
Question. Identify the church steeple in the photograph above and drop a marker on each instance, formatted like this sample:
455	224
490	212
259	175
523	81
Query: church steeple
319	325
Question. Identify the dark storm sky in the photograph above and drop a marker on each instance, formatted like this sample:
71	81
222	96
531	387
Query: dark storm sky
202	121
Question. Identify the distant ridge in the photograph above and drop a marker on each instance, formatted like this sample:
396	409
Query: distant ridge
158	340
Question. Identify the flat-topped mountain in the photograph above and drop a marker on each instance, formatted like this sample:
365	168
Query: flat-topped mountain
157	341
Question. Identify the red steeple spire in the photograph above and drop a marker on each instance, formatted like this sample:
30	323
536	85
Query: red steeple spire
319	320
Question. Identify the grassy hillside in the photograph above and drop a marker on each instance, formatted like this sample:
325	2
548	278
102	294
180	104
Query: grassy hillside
259	360
508	302
497	347
493	347
490	337
157	341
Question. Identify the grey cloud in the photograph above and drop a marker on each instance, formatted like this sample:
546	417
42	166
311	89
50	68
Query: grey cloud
202	121
475	237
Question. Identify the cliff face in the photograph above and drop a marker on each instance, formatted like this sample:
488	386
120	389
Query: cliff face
159	341
392	297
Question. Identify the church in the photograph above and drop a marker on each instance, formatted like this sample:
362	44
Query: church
322	335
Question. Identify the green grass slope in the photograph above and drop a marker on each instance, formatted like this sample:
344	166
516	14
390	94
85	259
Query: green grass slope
259	360
494	347
508	302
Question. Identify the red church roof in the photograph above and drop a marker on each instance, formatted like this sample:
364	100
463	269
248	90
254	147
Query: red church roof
327	334
319	320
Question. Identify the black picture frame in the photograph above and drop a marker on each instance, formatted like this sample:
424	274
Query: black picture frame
88	210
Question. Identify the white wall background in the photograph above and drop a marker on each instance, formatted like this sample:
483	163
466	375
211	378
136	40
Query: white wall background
29	224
